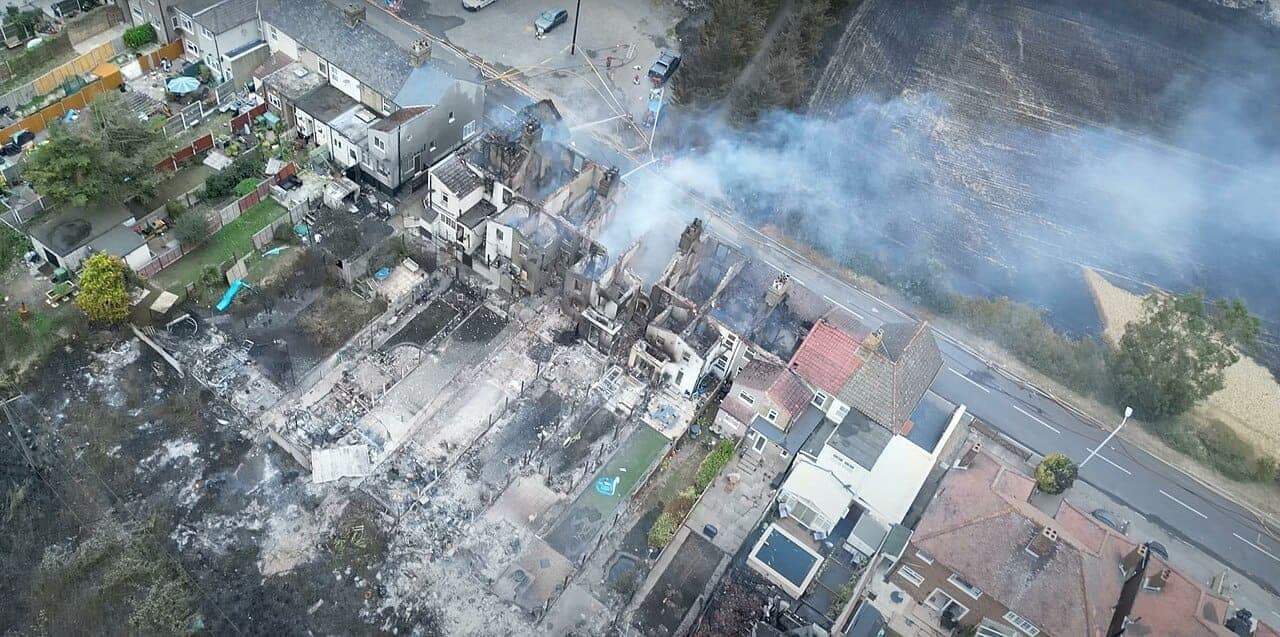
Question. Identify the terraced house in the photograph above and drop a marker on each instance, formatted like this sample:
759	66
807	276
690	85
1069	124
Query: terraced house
223	34
391	105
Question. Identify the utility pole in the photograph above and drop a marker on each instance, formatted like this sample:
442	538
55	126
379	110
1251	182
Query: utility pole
573	45
1128	411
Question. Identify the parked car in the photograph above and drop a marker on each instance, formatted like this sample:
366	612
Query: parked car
550	19
1110	519
476	5
664	67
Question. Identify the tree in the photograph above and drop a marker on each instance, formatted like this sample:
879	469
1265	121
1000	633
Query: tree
1055	474
108	152
1175	356
102	292
191	228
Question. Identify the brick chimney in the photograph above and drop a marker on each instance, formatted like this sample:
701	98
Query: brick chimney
354	14
1043	543
1155	583
777	290
420	52
1133	561
692	233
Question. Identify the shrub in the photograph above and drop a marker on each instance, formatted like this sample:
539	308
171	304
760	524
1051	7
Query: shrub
663	530
246	186
191	229
1264	469
223	183
1055	474
713	464
174	208
139	36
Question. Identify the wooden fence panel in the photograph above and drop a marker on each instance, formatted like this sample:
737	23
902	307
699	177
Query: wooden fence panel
202	144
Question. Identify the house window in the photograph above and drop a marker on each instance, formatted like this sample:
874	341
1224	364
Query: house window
1021	624
577	285
524	250
819	400
191	48
186	26
450	117
273	99
354	155
175	21
444	198
772	416
746	398
469	129
274	34
207	32
497	232
432	147
924	557
137	10
943	603
758	445
993	630
324	68
965	586
377	143
910	575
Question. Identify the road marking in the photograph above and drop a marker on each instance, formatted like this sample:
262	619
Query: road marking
774	265
967	379
1187	506
509	108
1126	472
842	306
731	243
1260	549
1047	425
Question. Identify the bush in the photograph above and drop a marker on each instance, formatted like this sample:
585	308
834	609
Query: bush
663	530
139	36
223	183
713	464
191	229
1217	445
174	208
246	186
1055	474
12	246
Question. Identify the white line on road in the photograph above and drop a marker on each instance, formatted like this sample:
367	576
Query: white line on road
842	306
1260	549
1047	425
967	379
736	246
774	265
1126	472
1184	504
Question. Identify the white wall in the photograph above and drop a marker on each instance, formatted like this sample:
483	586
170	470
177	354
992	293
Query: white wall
138	257
344	82
496	246
278	41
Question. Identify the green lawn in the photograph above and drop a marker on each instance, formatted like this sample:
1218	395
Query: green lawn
232	241
628	464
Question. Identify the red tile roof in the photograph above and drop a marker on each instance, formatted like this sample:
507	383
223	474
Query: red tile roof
827	357
790	393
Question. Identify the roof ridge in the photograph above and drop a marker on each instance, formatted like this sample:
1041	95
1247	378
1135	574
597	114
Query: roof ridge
1005	508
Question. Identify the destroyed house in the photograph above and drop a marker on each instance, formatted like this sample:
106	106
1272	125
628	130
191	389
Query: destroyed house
602	294
418	104
526	249
983	555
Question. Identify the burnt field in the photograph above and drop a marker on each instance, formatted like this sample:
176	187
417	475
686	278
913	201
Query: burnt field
1017	139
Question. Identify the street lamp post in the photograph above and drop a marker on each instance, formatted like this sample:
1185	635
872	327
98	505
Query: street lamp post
1128	411
573	45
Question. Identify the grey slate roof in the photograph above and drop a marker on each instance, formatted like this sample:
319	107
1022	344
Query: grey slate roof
366	53
220	16
476	214
453	173
895	375
795	437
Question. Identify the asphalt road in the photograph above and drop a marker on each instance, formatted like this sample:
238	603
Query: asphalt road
1159	491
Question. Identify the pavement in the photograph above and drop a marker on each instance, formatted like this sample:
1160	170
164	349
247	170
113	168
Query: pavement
1165	496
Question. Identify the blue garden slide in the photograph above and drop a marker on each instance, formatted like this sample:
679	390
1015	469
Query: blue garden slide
235	288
